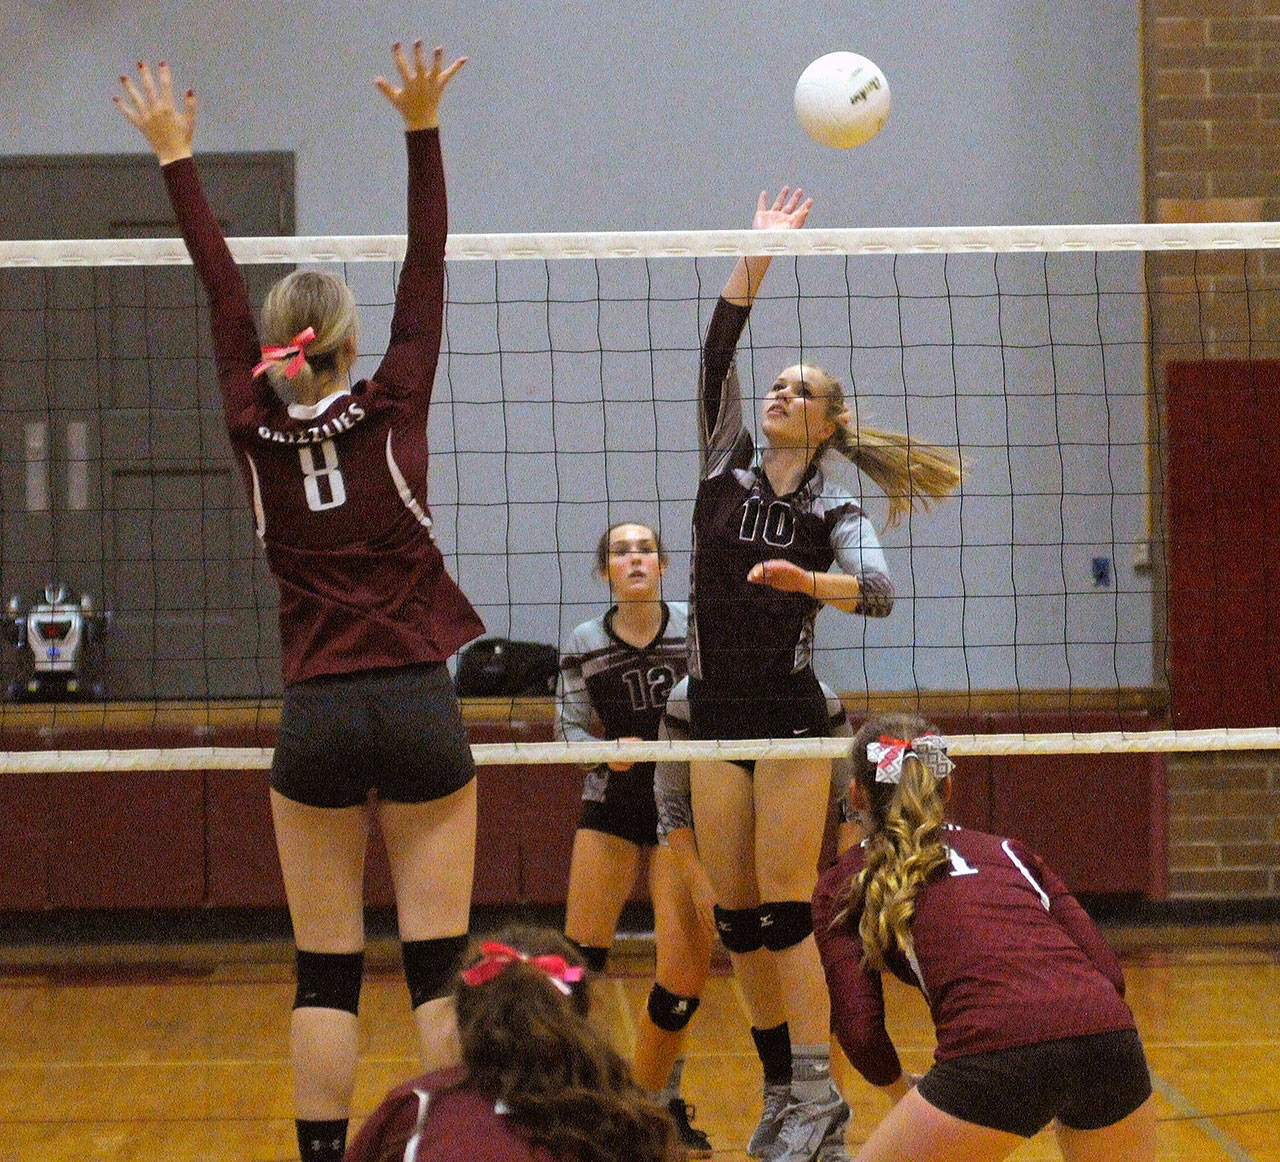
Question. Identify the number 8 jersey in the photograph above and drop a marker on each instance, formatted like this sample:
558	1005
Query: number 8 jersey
339	488
742	634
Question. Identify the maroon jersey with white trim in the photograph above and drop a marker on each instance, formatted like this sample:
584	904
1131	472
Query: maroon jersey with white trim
1004	956
743	634
339	489
439	1118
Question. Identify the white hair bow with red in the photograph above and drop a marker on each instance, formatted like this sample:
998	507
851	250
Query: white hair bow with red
887	753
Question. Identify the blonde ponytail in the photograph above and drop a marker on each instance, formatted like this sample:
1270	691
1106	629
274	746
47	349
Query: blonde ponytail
304	299
904	847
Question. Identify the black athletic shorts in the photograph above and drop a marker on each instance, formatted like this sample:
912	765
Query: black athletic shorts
1085	1082
396	731
621	803
794	707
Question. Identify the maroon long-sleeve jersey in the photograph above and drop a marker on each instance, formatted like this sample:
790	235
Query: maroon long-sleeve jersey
1004	956
339	490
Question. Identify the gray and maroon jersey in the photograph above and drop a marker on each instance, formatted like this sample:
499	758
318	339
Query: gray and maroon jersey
742	634
624	686
339	490
1004	955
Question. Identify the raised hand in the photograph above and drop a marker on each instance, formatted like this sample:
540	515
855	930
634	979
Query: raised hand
418	98
167	129
788	212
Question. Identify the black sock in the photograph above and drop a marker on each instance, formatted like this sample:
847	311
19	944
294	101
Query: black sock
322	1141
593	956
773	1045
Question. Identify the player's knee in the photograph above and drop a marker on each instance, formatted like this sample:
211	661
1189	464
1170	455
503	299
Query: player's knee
670	1011
739	928
329	980
429	966
785	923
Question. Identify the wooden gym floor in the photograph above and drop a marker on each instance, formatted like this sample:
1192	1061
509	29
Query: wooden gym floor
153	1052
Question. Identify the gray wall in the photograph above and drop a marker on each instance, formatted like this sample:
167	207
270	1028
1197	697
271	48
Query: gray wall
617	114
628	116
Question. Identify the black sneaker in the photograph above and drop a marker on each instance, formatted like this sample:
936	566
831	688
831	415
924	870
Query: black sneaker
695	1142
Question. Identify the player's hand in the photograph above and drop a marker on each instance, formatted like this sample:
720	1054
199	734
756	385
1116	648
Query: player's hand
698	884
151	108
788	212
783	575
418	98
623	764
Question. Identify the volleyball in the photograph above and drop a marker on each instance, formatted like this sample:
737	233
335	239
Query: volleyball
842	100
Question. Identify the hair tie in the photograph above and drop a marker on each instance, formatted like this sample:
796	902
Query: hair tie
297	347
495	958
888	754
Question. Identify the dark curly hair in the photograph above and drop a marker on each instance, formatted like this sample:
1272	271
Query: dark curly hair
561	1085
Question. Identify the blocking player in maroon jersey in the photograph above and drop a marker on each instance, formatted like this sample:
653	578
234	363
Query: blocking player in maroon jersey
537	1081
1026	996
768	525
337	478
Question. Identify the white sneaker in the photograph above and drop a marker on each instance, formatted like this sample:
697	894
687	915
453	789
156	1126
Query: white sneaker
809	1125
776	1100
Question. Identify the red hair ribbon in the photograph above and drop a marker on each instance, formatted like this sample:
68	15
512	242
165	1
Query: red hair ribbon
297	347
888	753
495	958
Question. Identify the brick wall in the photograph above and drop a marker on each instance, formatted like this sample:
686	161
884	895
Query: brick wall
1212	105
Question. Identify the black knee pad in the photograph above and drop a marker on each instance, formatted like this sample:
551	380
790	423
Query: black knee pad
329	980
429	966
739	928
783	924
670	1011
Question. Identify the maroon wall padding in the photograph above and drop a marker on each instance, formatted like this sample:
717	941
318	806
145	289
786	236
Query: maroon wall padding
204	838
240	844
126	839
24	841
1096	819
1224	542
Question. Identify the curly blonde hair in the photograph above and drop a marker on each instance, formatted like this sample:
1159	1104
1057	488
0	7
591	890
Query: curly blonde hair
904	845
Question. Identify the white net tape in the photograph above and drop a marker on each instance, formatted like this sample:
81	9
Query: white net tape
516	753
667	244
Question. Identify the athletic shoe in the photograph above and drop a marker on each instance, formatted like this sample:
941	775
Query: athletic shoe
809	1126
695	1142
776	1099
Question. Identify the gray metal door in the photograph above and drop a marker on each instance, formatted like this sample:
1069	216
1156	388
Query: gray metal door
117	475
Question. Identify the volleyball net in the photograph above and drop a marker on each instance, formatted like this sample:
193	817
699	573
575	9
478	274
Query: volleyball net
1106	387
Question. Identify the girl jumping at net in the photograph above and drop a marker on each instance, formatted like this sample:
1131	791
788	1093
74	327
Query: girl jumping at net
756	971
537	1081
1026	997
767	528
337	477
617	671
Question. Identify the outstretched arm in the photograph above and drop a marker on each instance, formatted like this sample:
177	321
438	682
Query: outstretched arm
788	212
409	365
149	105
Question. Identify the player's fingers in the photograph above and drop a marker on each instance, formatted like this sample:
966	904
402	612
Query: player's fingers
402	65
166	83
134	95
148	83
448	73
